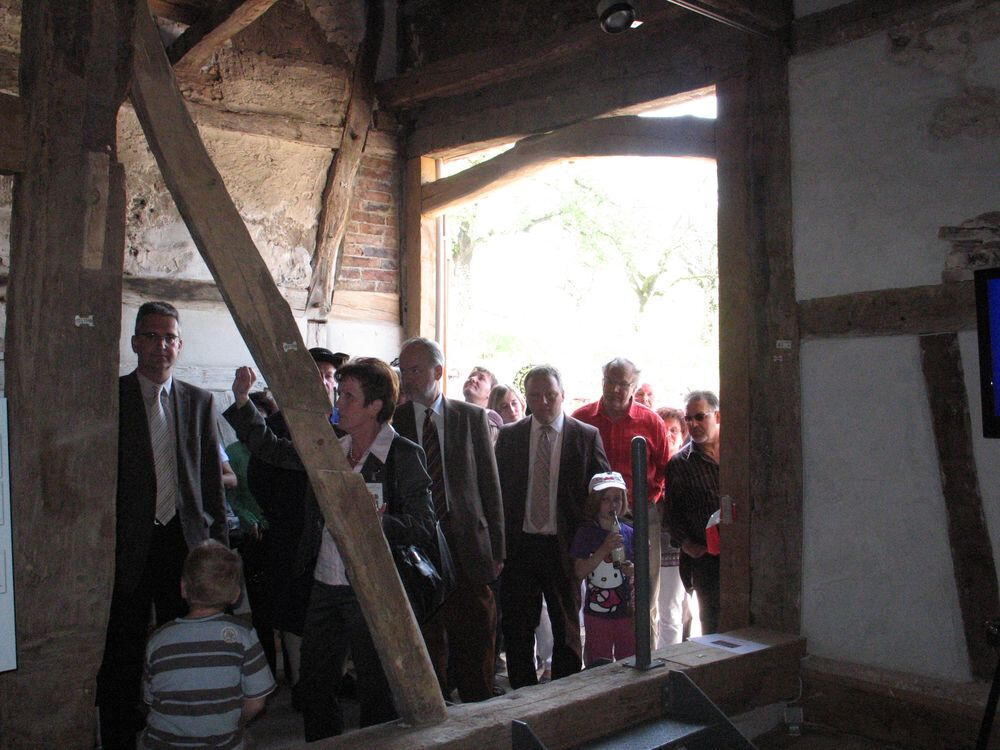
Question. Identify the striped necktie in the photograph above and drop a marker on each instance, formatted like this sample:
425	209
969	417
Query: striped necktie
432	449
540	480
164	458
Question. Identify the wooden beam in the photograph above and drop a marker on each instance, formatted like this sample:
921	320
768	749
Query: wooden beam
891	312
761	466
483	68
574	710
275	343
339	189
898	708
971	549
419	253
195	47
650	64
67	240
12	134
610	136
855	20
181	11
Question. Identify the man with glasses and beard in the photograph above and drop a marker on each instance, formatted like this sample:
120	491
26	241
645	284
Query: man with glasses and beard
693	496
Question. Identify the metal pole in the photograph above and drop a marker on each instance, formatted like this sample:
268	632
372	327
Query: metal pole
640	517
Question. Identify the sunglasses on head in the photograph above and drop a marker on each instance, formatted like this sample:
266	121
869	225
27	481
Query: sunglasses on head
699	417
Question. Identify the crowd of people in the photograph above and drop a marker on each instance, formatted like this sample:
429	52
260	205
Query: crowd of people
527	509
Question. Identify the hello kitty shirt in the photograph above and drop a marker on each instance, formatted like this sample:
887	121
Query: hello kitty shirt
608	591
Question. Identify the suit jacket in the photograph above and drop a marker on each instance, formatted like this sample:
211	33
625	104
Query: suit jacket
474	525
199	474
406	489
582	455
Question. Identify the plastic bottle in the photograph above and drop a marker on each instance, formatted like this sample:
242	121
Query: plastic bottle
618	553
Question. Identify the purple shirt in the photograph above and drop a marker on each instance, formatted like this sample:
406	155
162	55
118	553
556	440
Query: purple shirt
608	591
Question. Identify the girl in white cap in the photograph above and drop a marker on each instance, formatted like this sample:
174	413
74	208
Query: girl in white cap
602	550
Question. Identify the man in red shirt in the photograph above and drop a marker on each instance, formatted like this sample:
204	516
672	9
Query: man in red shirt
619	418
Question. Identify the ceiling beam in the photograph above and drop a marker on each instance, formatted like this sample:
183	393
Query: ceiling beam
855	20
472	71
610	136
195	47
187	13
343	171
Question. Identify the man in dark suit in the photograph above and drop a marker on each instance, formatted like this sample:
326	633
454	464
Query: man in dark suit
545	463
456	438
170	498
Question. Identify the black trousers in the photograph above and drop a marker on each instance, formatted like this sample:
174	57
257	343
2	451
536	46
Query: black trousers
119	679
704	572
537	569
334	627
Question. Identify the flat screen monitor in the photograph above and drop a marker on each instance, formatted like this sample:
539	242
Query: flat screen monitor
988	318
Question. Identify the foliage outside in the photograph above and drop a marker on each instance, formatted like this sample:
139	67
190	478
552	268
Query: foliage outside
586	261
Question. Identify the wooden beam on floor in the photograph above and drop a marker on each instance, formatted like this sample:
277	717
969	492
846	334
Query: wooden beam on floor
12	134
195	47
971	548
571	711
276	345
914	310
897	708
418	261
67	240
609	136
483	68
855	20
761	465
654	62
340	177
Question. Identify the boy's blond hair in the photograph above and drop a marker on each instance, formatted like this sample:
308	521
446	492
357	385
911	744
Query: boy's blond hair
211	576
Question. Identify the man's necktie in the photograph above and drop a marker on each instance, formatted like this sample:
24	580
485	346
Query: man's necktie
432	449
540	480
164	456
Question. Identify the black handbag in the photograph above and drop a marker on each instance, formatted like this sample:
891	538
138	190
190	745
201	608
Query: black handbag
428	581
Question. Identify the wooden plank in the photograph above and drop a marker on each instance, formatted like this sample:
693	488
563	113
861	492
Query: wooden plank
971	549
383	306
182	11
894	707
67	237
12	134
891	312
192	294
596	702
647	65
855	20
761	467
610	136
340	177
227	18
418	262
471	71
275	343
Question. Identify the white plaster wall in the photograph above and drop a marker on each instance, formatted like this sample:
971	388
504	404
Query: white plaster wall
871	184
878	582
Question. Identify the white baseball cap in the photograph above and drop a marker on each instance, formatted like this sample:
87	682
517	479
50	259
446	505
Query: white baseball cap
606	479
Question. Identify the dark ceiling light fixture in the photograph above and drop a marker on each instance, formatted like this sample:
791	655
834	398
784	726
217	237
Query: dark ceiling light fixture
616	16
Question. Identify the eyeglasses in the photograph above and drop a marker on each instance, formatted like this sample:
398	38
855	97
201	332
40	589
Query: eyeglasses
170	339
699	417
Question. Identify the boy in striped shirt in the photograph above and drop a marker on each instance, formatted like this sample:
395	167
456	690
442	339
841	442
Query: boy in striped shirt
205	674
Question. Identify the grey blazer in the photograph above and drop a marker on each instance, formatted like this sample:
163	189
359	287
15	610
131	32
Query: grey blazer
474	524
199	473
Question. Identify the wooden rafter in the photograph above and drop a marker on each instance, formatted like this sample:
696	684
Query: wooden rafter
855	20
610	136
340	178
488	67
195	47
736	14
181	11
276	344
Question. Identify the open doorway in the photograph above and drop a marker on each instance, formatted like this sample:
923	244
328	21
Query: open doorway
587	260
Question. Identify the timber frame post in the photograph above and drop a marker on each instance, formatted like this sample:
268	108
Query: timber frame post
761	467
62	354
269	330
420	253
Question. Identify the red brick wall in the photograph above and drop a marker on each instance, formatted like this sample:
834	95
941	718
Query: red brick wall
371	244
